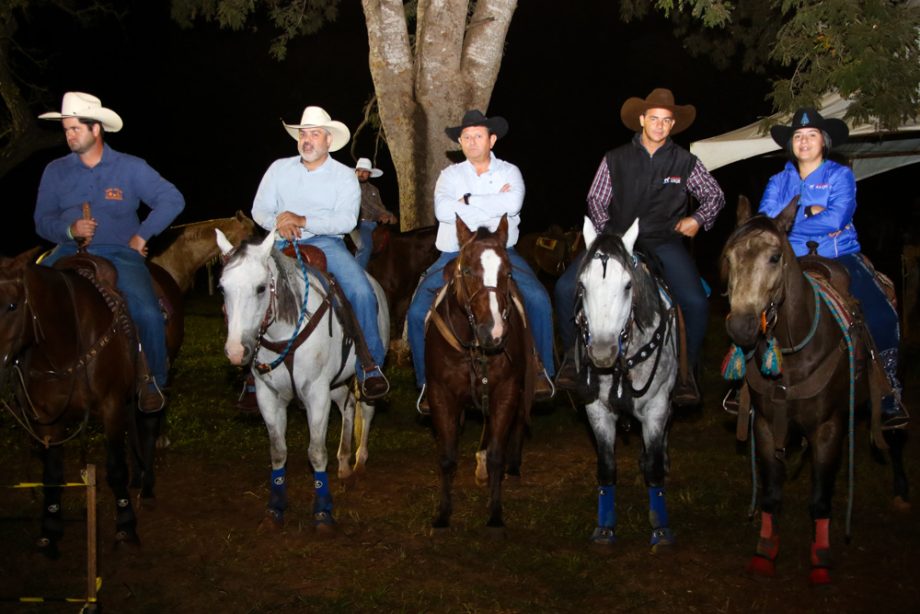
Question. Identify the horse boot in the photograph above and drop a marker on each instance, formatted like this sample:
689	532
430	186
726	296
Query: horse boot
374	384
821	554
763	563
150	399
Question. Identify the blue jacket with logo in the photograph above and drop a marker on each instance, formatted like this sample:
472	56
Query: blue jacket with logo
831	186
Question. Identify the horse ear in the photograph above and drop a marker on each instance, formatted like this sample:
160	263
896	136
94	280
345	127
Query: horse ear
786	217
502	230
463	231
589	232
265	248
240	215
629	239
742	210
223	243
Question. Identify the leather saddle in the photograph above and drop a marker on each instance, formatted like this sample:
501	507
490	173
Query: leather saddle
311	255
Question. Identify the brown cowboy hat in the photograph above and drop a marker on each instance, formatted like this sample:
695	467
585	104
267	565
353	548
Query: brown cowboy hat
474	117
660	98
808	117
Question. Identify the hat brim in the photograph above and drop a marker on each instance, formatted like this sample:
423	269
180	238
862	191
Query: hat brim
109	119
835	128
634	107
339	131
376	172
496	125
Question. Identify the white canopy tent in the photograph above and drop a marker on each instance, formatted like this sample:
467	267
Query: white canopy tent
869	157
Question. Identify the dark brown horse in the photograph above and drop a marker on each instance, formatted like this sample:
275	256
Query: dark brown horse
69	351
399	265
477	349
777	311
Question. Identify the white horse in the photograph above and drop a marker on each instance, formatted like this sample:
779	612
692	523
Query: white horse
264	294
629	335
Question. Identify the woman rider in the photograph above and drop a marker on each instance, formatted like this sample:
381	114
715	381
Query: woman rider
827	202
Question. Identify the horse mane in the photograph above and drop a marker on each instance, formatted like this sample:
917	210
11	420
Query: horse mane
287	297
644	285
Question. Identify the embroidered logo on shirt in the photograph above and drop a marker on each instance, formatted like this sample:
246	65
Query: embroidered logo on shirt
672	180
114	194
821	186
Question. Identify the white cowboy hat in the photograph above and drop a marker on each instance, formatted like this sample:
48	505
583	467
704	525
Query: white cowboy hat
365	165
317	117
86	106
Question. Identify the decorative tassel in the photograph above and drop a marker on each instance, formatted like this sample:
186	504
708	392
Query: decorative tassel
733	364
772	364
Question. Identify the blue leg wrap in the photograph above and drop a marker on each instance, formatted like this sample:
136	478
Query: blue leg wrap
658	517
322	501
277	497
606	506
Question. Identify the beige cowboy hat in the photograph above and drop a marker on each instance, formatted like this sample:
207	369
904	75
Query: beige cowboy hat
86	106
365	165
660	98
314	117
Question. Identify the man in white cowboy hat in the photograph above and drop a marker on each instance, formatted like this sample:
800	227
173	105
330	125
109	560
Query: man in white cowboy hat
312	198
372	210
481	190
650	178
113	184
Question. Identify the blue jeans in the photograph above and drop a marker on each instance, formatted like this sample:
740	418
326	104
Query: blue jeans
136	287
366	232
534	295
683	280
358	290
881	318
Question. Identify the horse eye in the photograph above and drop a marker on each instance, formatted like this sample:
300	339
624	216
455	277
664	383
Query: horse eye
11	307
628	285
260	288
774	258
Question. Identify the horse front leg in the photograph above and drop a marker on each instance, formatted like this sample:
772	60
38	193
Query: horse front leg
772	477
52	528
653	462
345	401
502	416
515	448
274	414
142	445
603	423
117	477
364	415
445	419
318	403
826	450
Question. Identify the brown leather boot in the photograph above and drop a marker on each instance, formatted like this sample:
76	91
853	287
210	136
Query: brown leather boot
686	393
543	389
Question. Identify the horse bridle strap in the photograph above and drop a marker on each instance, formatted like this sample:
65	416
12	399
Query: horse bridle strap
279	346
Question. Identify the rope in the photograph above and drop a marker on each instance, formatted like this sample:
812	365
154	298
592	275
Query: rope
303	312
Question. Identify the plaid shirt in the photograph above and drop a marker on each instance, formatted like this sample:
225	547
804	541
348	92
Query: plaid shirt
701	185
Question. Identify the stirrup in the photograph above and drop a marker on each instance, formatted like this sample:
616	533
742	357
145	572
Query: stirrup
373	394
421	404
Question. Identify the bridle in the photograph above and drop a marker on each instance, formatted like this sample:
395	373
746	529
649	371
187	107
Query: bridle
462	274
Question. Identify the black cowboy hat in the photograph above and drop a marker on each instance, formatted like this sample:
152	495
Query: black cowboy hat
474	117
808	117
659	98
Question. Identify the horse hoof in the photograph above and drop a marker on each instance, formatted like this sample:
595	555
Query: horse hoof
324	523
146	503
900	505
819	576
126	538
272	522
761	566
662	541
48	548
348	481
512	481
603	536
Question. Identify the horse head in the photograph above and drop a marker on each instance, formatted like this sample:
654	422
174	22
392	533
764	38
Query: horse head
482	282
606	285
247	284
755	266
14	308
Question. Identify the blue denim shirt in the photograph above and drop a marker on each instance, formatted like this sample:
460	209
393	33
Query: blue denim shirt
114	189
831	186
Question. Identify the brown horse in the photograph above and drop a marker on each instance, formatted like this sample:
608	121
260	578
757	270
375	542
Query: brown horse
69	351
478	350
398	267
182	250
777	311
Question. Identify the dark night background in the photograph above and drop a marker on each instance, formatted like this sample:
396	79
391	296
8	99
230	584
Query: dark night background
204	107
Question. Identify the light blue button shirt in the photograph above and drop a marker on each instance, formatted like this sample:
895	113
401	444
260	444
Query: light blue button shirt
329	197
487	202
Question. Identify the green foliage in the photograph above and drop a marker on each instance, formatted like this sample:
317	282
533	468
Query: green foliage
712	13
290	18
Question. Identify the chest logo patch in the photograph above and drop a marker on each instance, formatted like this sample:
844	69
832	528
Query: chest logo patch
114	194
821	186
675	180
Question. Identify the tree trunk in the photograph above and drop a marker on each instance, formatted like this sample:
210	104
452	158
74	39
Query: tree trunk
422	91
